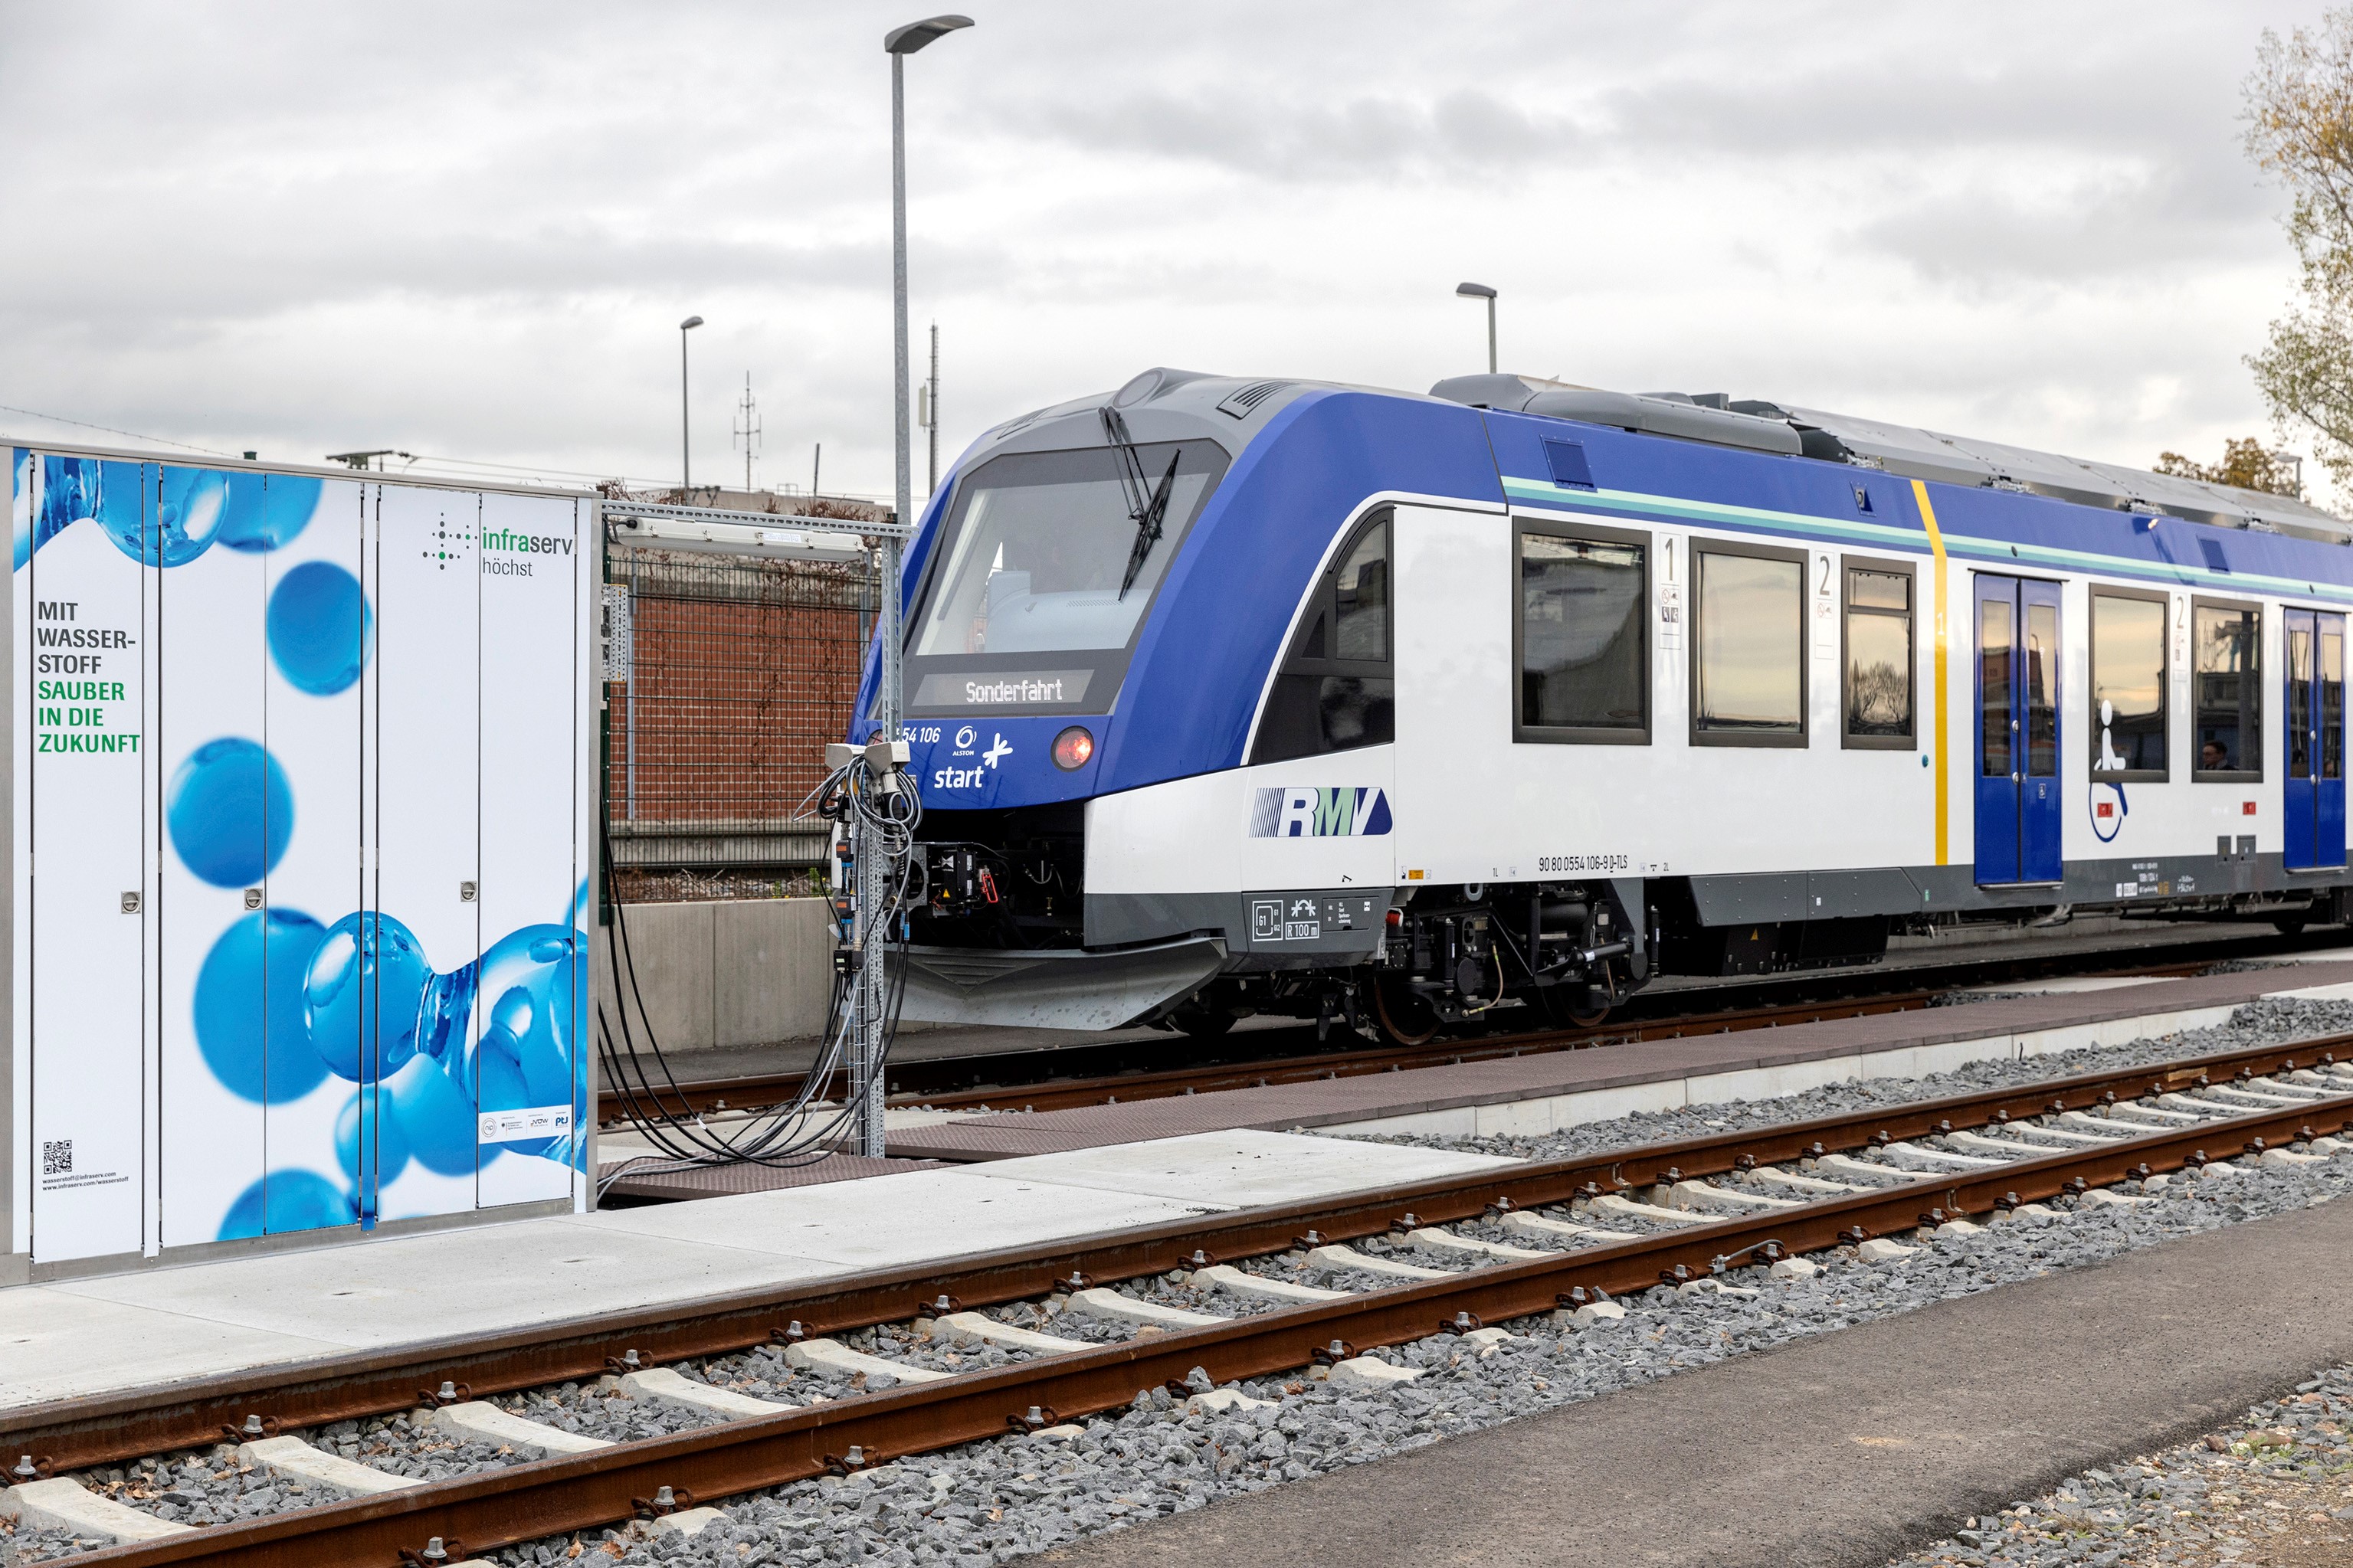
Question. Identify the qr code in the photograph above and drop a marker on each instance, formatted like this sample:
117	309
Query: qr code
57	1159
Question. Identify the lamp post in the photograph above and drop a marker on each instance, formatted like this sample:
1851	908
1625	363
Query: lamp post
898	44
874	984
685	468
1481	292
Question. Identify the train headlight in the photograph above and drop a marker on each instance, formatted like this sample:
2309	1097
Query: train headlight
1074	748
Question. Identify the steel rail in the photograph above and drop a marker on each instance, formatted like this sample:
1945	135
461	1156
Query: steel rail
71	1434
752	1091
1050	1092
526	1501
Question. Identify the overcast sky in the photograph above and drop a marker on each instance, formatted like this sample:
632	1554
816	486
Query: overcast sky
469	230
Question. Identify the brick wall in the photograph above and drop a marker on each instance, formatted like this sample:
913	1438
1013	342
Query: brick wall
745	669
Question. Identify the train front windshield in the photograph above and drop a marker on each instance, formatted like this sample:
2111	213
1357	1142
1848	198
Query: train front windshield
1043	578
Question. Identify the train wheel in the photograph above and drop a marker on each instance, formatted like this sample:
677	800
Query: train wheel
1204	1024
1405	1018
1553	1002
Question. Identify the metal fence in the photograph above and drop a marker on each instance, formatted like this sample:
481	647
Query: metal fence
729	676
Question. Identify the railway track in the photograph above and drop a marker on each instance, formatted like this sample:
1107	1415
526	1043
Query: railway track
1563	1235
752	1092
1059	1079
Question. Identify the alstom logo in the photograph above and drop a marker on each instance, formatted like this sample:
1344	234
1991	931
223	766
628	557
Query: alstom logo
1345	810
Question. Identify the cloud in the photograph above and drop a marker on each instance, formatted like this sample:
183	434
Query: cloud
472	229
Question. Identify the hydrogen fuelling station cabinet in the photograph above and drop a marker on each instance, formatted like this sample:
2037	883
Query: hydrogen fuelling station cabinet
302	855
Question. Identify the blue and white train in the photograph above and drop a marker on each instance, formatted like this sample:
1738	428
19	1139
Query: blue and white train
1228	695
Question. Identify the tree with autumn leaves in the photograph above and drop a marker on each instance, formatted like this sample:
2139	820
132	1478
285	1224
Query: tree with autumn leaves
2299	131
2244	464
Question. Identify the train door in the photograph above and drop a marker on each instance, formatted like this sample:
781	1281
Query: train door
2018	731
2312	794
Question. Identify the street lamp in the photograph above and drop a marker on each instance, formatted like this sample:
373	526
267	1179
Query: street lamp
899	43
685	468
873	981
1481	292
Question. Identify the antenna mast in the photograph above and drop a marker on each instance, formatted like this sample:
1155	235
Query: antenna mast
748	430
932	407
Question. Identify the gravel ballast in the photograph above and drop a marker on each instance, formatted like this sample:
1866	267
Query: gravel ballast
2271	1021
2274	1492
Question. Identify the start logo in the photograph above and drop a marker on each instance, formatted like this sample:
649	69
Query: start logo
971	778
1341	811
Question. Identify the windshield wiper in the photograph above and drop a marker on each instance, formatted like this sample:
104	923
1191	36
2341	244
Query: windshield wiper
1146	510
1147	528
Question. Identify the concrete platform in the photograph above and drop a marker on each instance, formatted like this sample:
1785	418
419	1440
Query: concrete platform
1536	1093
1838	1452
1242	1169
122	1333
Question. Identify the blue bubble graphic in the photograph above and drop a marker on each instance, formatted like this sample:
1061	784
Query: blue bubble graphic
319	627
248	1007
290	1199
266	514
169	516
366	985
243	1217
442	1022
73	488
195	504
388	1140
123	508
230	812
529	982
20	487
434	1116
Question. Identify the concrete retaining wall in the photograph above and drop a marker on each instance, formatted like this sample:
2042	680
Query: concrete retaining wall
734	971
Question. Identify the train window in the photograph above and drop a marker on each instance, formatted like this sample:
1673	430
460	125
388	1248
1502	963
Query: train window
2299	699
1581	629
1994	638
2227	691
1039	582
1747	645
1336	691
2332	703
1879	654
2041	679
1360	611
2128	675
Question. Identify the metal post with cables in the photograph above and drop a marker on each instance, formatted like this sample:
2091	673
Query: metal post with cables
872	795
867	792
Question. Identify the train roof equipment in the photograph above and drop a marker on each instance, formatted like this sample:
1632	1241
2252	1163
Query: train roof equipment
1763	425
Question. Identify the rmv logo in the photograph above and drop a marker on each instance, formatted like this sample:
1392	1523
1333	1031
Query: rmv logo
1341	812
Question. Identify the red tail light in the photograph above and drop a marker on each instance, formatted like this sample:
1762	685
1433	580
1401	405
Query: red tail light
1074	748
